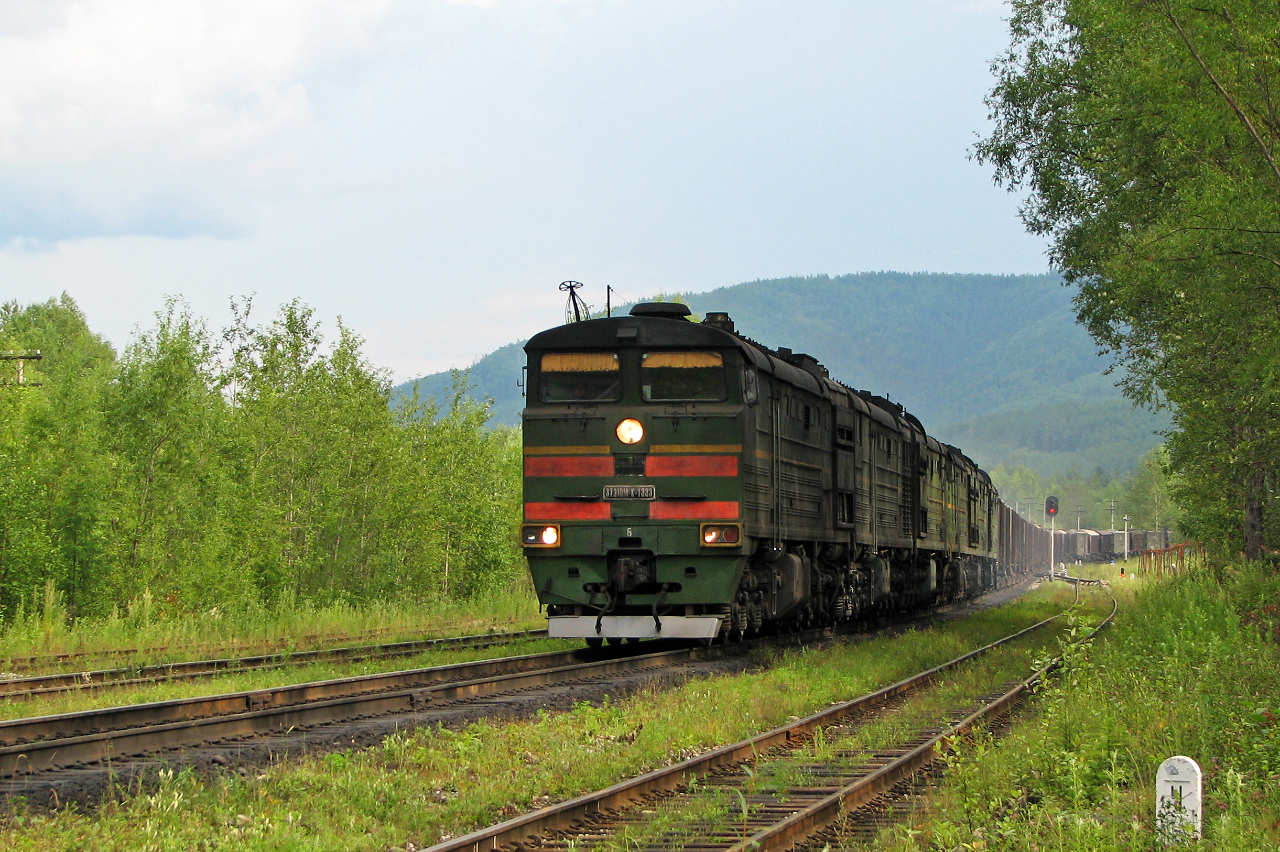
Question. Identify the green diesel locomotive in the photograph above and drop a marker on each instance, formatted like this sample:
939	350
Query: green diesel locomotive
681	480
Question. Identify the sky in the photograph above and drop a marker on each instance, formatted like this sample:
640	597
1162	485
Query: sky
429	171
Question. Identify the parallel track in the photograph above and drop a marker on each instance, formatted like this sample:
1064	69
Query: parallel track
581	821
77	739
39	685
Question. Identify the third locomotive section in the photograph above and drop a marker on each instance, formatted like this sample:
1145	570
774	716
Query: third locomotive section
683	481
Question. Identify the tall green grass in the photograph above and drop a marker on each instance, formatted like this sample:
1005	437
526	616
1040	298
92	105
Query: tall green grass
154	636
1192	667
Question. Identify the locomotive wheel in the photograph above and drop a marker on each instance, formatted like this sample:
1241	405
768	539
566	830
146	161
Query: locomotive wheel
595	642
615	640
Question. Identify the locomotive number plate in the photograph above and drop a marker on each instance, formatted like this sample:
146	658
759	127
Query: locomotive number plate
629	492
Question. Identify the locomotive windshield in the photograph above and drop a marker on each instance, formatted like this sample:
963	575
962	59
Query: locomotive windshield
580	377
682	376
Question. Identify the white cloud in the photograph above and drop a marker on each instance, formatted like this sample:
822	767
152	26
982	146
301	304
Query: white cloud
166	118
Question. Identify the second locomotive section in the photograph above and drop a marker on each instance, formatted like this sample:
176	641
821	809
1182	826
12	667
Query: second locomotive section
682	481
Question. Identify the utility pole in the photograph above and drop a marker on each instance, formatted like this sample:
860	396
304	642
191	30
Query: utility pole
1126	538
1079	516
21	358
1112	507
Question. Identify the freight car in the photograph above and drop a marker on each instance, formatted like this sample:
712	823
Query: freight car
681	480
1105	545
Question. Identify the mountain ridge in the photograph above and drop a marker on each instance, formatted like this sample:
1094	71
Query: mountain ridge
995	364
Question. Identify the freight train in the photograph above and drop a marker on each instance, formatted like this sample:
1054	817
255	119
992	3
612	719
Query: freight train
1105	545
681	480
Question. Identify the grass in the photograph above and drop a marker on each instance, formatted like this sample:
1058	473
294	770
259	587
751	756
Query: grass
1191	667
148	633
421	786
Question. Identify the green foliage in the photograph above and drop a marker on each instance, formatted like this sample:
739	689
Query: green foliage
1144	494
1059	437
259	467
54	470
1146	133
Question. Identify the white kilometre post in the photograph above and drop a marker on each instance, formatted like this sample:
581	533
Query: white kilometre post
1179	788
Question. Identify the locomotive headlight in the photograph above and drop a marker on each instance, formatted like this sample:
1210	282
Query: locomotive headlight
540	535
721	535
630	431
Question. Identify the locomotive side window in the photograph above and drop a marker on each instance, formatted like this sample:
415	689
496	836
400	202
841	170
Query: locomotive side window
682	376
580	377
750	387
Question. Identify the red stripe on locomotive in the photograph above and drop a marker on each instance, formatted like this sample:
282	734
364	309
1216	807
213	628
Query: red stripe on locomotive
702	510
691	466
567	512
568	466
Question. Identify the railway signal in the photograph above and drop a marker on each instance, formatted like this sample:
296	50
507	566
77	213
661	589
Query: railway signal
1051	509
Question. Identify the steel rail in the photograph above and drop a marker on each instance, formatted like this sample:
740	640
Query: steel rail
74	739
791	830
35	742
38	685
626	793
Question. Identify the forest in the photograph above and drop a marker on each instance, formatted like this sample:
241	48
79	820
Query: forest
260	465
1142	138
1086	500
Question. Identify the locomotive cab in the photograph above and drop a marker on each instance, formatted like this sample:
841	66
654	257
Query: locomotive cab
633	441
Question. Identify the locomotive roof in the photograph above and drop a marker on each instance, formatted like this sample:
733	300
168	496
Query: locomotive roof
650	331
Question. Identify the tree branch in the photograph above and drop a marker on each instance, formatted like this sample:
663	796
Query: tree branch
1253	131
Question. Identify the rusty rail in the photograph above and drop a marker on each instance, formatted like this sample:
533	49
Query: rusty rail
38	685
74	739
69	739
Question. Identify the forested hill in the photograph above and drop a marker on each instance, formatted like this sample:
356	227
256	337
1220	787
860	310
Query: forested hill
995	364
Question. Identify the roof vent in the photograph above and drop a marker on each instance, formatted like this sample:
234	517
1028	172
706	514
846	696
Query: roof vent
666	310
720	320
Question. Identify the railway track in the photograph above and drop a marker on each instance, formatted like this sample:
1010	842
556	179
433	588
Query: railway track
17	688
79	756
835	803
31	749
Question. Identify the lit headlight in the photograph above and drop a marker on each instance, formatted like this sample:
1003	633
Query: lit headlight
630	431
540	535
721	535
